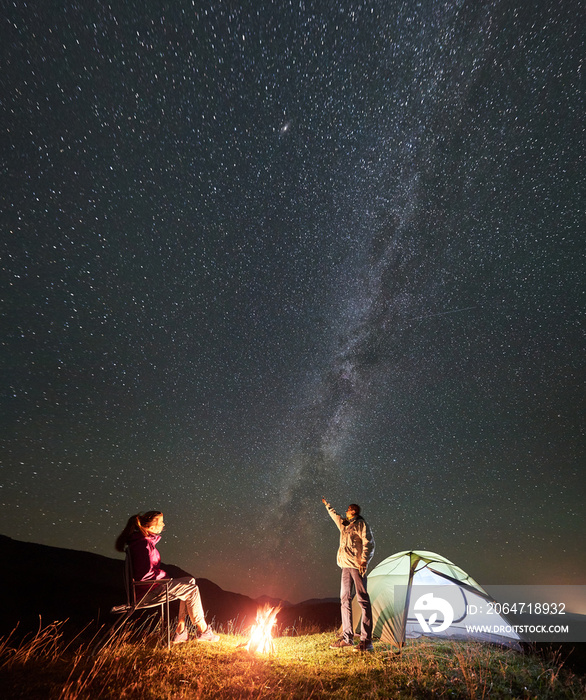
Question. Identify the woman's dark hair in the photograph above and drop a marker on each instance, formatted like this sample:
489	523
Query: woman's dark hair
136	523
355	508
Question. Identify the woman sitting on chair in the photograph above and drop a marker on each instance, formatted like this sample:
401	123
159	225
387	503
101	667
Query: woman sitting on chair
140	536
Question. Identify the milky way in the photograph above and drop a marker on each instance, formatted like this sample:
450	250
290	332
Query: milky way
255	255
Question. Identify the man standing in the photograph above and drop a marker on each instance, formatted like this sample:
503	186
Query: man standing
354	554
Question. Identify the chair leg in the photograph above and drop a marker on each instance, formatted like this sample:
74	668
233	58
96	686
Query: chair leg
165	625
168	620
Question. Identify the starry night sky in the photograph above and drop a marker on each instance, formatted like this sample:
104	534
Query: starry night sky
255	253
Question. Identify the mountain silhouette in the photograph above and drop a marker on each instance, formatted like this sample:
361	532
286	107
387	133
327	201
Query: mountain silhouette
43	584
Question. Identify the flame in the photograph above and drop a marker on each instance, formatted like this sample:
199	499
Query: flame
261	634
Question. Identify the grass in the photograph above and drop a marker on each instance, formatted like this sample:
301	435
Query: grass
46	666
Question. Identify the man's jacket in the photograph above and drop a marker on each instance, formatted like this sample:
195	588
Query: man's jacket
356	540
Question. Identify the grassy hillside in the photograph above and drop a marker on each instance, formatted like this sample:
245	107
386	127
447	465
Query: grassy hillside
47	667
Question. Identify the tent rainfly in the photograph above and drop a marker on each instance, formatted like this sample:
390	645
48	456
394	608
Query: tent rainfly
399	609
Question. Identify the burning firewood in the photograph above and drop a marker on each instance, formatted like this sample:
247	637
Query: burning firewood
261	634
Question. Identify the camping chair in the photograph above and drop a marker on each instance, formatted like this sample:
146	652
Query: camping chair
137	600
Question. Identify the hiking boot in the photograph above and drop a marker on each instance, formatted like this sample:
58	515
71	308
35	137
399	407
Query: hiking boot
341	644
181	637
208	636
364	645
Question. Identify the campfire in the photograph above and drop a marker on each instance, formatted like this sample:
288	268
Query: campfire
261	634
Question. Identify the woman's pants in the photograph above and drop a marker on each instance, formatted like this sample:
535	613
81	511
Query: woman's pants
183	589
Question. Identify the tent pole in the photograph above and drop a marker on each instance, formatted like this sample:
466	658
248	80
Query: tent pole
412	566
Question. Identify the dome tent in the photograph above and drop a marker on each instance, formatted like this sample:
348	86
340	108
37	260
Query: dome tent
399	589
